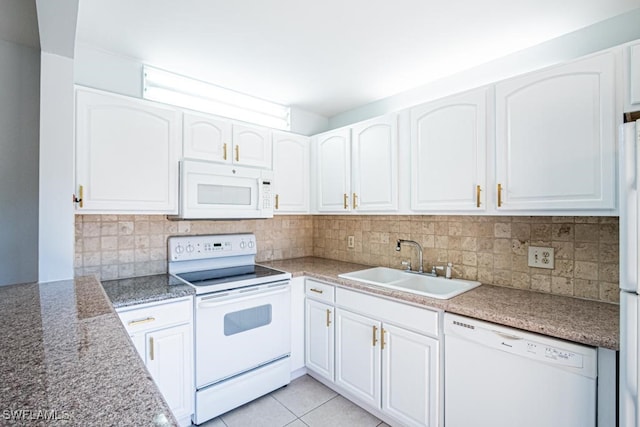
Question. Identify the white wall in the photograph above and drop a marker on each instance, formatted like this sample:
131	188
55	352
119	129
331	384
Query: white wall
600	36
19	116
57	229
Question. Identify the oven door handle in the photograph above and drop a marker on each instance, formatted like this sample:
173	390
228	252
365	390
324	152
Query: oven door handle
212	301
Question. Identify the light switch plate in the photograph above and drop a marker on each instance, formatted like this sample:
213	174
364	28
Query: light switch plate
351	242
541	257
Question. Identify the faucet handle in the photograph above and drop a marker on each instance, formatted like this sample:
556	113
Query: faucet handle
435	268
407	264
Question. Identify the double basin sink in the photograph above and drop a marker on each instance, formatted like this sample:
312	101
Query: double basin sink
415	283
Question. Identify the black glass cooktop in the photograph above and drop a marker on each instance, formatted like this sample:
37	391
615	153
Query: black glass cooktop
228	275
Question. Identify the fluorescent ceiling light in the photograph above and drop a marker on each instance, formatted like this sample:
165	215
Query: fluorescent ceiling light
170	88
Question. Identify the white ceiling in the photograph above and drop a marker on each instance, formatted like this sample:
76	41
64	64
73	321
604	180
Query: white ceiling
333	55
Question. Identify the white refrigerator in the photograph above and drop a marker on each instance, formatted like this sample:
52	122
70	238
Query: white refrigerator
629	150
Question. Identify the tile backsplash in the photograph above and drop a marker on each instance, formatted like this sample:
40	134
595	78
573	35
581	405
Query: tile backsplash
490	249
118	246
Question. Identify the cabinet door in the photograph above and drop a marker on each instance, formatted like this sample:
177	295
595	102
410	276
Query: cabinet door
632	80
374	165
251	146
291	172
448	153
358	356
127	154
410	382
556	138
169	361
319	331
207	138
334	171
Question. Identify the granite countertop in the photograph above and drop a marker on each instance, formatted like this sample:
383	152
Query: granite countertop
66	356
140	290
587	322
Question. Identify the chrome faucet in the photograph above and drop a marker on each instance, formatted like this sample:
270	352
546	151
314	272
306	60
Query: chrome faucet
399	242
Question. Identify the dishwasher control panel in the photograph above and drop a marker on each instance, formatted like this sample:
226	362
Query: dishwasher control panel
555	355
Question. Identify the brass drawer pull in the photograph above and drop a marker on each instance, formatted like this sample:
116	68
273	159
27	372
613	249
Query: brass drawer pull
355	200
346	201
151	347
328	317
224	151
237	153
277	201
478	190
499	195
317	291
140	322
375	335
382	339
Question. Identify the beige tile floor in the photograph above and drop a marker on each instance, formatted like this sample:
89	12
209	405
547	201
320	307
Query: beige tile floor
304	402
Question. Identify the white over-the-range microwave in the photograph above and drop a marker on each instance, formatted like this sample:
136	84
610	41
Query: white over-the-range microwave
215	191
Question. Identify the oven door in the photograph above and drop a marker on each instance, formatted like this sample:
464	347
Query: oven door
239	330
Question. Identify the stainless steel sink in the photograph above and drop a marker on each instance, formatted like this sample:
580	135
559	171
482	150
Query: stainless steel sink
420	284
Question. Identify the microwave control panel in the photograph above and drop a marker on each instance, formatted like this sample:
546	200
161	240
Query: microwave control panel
266	194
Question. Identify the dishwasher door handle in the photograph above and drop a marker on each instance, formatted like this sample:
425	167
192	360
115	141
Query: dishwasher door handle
507	336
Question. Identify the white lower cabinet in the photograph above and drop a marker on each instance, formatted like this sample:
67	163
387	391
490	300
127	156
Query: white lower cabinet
163	336
387	354
358	356
319	338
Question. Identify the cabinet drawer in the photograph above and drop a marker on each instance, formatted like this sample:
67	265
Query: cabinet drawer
319	291
157	316
418	319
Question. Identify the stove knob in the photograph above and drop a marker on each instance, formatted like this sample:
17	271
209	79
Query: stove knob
179	249
189	248
242	244
251	244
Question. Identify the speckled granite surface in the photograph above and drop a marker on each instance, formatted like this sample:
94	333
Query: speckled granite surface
140	290
65	359
586	322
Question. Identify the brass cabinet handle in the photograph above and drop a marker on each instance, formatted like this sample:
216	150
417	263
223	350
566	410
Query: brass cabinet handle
79	199
151	347
355	200
224	151
318	291
141	321
382	331
237	153
346	201
478	190
499	195
328	317
277	201
375	333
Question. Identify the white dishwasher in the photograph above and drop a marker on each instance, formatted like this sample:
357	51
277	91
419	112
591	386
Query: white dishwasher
503	377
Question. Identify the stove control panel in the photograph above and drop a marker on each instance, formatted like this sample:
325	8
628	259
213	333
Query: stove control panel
186	248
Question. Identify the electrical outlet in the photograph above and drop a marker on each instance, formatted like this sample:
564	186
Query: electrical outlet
541	257
351	242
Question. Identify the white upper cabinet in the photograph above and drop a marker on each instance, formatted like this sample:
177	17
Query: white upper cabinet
207	138
291	172
374	164
222	140
449	153
334	170
556	138
357	167
251	146
127	153
632	77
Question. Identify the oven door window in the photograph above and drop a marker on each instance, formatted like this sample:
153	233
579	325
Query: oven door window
247	319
